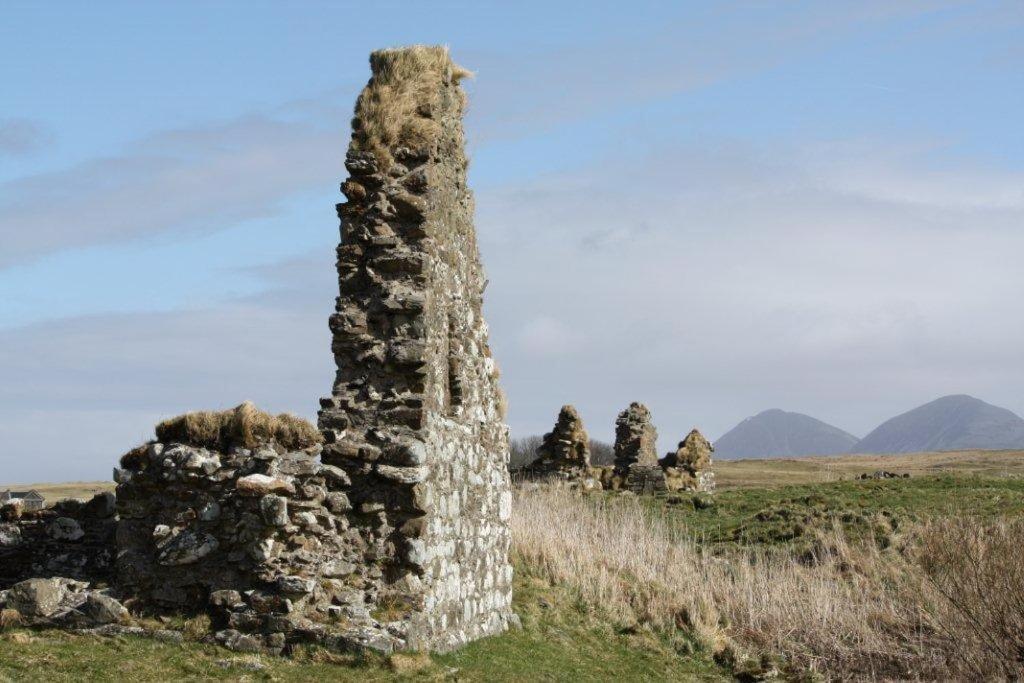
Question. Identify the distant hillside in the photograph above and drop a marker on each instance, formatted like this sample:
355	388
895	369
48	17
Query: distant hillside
947	424
776	433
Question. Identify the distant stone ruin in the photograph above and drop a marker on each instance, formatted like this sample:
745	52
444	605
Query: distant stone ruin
636	457
688	468
567	446
392	534
564	452
637	467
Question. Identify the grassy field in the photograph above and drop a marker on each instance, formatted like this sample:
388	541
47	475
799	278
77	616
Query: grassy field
810	569
812	470
796	513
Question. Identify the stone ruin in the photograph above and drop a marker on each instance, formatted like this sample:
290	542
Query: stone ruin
688	468
392	534
564	456
70	539
636	455
564	452
637	467
415	419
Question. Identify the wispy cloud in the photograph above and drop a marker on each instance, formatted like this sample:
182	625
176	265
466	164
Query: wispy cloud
22	136
173	183
693	49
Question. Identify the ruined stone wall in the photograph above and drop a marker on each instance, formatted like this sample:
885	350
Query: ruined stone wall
71	539
195	521
415	413
564	455
253	537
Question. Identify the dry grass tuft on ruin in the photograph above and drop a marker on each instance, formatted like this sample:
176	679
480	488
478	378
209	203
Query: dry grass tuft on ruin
244	426
400	104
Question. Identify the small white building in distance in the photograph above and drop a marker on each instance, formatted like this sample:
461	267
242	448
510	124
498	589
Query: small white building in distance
30	500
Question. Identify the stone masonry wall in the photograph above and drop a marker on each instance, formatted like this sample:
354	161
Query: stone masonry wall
71	539
564	454
566	448
414	418
253	537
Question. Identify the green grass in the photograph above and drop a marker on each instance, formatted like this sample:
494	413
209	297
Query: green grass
561	639
792	514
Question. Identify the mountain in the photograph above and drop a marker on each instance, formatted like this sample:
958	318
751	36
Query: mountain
947	424
776	433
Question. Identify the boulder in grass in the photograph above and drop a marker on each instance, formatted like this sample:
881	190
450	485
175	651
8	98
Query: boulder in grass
39	597
103	609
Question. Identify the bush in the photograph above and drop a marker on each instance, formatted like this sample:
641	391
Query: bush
523	451
601	453
978	570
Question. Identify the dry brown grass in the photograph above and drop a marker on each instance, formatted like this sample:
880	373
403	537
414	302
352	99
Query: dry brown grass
848	612
399	105
244	426
408	663
9	618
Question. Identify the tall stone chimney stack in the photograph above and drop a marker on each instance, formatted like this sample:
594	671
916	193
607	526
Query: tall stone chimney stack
415	418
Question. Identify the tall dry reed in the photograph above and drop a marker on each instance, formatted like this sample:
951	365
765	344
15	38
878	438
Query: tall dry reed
851	611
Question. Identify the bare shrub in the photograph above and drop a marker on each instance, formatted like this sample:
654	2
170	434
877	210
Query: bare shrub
978	570
523	451
601	453
849	611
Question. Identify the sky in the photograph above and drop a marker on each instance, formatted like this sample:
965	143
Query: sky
711	208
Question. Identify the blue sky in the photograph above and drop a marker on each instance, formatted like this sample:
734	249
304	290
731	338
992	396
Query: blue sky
715	208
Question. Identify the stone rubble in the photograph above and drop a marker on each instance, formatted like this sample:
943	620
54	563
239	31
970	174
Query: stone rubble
60	602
